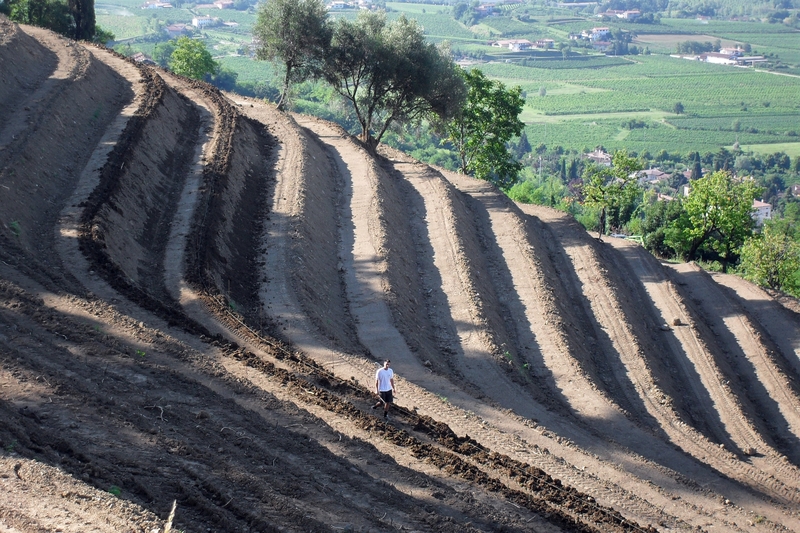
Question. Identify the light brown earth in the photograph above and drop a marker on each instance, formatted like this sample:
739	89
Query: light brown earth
196	291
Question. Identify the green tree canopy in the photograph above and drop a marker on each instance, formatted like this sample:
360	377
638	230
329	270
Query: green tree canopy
480	130
162	52
295	33
716	213
772	259
51	14
609	188
192	59
389	73
72	18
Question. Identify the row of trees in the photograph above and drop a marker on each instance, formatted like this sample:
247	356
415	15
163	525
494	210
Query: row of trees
713	223
388	74
72	18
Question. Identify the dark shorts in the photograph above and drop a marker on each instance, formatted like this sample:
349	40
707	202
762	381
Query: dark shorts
386	396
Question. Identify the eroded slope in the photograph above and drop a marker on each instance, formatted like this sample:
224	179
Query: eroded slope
244	269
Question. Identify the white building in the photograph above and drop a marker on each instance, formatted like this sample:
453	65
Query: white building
514	44
761	211
202	21
719	59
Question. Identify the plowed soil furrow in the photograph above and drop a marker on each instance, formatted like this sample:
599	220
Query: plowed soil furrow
62	63
413	378
332	139
435	200
579	393
456	306
685	339
697	370
678	431
26	65
39	168
361	245
748	361
303	270
782	324
525	259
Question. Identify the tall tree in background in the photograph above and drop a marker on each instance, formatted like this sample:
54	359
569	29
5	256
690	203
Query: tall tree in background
389	73
83	14
50	14
162	52
296	34
192	59
609	188
482	127
716	213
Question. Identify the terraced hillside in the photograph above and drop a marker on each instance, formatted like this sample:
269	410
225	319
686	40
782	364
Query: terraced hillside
197	291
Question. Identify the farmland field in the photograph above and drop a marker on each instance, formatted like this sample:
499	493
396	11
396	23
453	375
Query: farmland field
666	43
580	98
791	149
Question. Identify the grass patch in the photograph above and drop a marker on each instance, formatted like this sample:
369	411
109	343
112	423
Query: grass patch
791	149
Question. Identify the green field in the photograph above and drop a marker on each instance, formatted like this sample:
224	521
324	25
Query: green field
589	98
791	149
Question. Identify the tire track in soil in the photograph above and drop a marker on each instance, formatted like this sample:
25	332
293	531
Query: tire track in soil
413	379
588	441
771	471
751	363
687	439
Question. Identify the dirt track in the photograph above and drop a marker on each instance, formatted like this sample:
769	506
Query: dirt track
197	289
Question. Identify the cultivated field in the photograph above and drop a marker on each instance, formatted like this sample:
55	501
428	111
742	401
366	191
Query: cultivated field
588	95
197	290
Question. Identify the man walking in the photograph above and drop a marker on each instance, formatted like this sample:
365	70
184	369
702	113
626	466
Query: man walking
384	387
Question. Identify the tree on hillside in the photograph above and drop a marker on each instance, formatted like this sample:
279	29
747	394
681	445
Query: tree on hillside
51	14
191	59
295	33
83	15
483	126
162	52
717	213
772	259
389	73
523	146
657	218
609	188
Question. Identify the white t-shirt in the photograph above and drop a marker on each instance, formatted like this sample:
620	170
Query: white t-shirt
383	376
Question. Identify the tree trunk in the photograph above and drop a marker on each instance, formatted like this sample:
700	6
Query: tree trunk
602	229
282	100
83	14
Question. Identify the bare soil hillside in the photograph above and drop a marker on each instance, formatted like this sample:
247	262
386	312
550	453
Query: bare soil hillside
196	291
